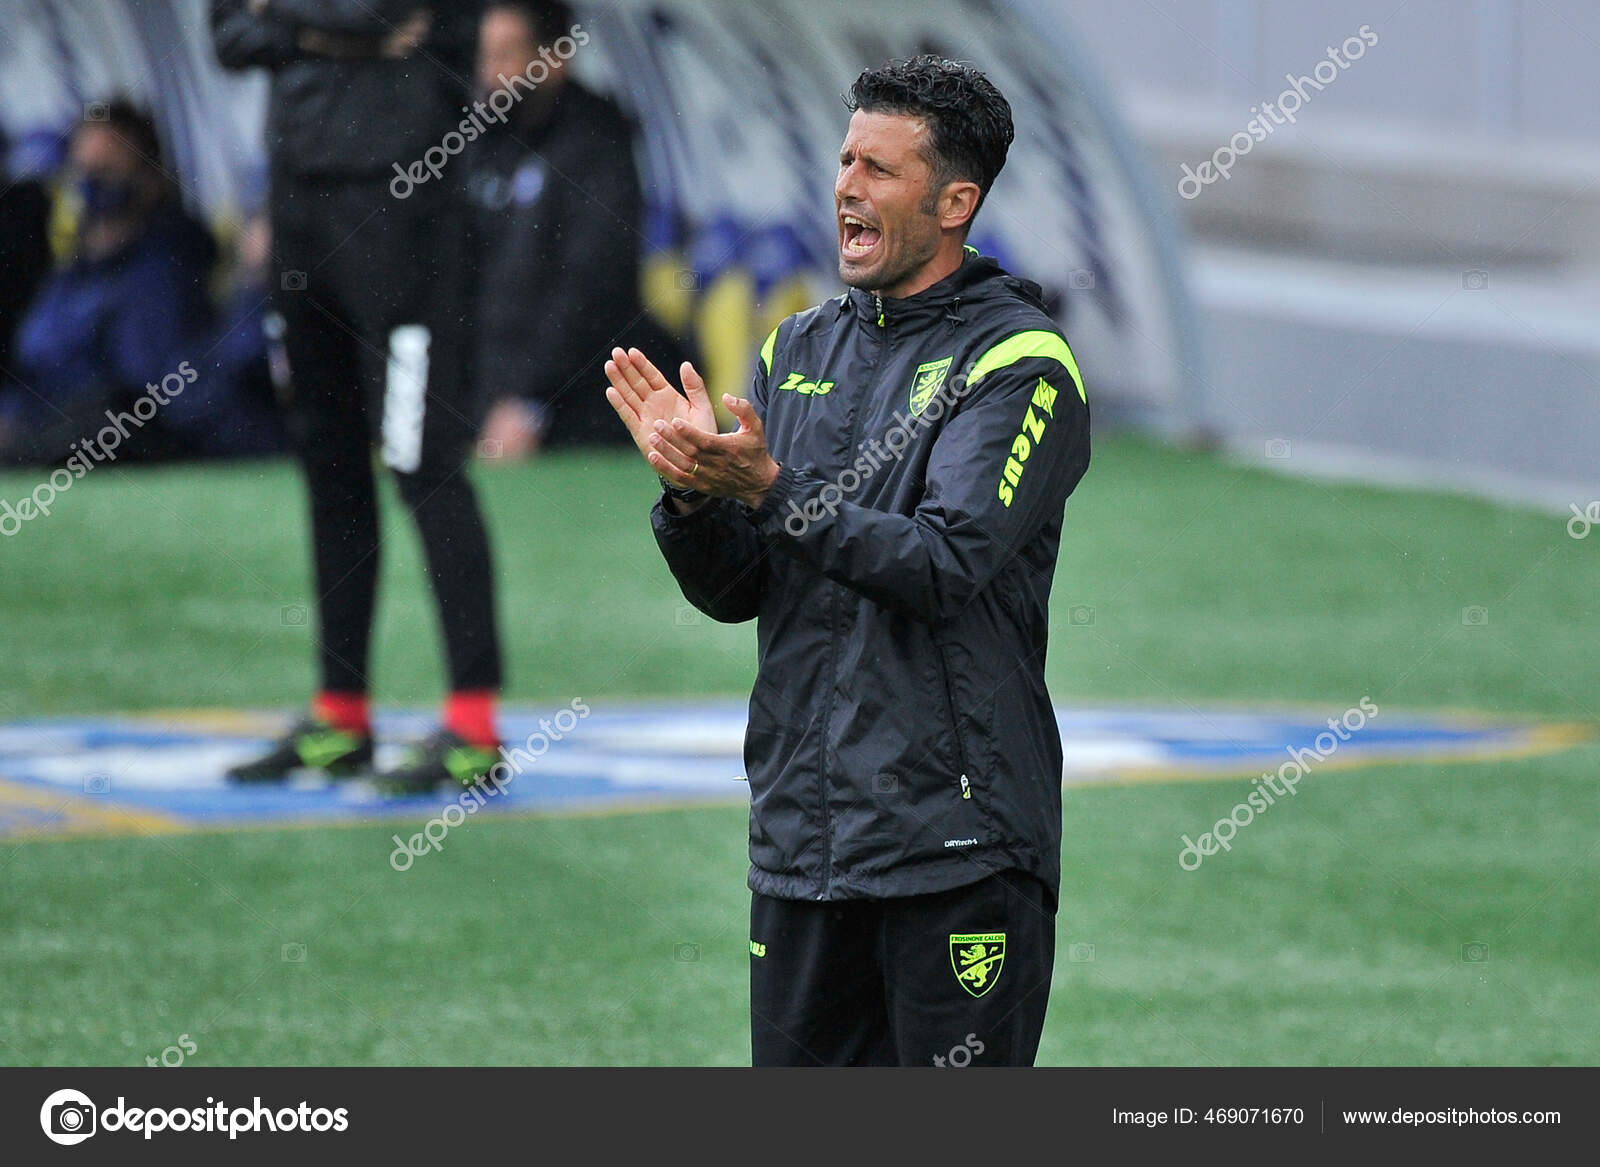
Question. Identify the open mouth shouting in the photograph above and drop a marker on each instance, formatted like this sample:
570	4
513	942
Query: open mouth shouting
858	237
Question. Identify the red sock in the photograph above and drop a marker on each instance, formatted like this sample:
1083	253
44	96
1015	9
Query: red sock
470	713
351	712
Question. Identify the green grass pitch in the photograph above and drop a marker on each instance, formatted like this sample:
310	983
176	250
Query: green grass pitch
1332	934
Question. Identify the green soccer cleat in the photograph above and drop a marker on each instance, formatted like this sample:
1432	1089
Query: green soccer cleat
445	759
309	745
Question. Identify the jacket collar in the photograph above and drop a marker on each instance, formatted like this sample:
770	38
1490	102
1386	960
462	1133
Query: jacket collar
978	277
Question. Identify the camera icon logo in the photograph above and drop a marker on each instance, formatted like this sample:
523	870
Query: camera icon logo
97	784
1081	953
96	111
293	953
68	1117
1474	616
686	953
687	616
1475	952
885	784
491	448
1080	279
1278	449
293	615
1080	615
687	279
1475	280
293	281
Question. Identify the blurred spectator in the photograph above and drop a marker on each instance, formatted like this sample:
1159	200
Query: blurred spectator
557	215
128	307
131	309
24	258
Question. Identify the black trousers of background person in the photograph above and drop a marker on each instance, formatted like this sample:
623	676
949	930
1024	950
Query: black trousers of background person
874	982
374	296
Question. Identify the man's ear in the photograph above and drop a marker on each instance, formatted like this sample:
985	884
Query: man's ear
957	204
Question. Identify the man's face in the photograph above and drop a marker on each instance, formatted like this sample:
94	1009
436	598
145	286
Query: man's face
507	45
117	180
888	226
99	152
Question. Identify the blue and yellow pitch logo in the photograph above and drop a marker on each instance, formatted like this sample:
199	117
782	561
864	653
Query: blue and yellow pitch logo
154	773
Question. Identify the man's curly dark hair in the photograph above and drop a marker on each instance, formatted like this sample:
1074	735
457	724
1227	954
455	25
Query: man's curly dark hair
968	119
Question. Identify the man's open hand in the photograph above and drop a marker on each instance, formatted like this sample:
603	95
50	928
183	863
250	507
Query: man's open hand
677	433
642	396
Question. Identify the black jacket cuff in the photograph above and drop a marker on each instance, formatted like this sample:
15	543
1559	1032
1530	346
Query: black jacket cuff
669	522
783	488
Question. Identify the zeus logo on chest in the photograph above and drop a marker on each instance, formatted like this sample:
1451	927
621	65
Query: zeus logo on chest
798	383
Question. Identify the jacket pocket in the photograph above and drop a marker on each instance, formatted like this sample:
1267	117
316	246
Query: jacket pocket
969	780
776	749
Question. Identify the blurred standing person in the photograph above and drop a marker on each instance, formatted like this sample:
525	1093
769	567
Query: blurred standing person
557	209
373	292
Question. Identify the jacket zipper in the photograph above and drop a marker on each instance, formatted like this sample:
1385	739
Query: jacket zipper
833	666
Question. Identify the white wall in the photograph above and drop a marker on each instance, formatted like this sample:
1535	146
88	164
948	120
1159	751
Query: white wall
1519	67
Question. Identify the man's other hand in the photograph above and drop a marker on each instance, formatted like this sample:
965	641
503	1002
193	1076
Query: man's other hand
736	465
513	431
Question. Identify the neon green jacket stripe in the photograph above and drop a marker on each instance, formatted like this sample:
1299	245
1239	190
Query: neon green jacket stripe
1036	343
766	351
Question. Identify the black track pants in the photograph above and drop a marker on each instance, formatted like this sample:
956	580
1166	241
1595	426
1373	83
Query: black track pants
954	978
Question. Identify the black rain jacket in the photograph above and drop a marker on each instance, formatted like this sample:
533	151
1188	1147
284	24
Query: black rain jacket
901	740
